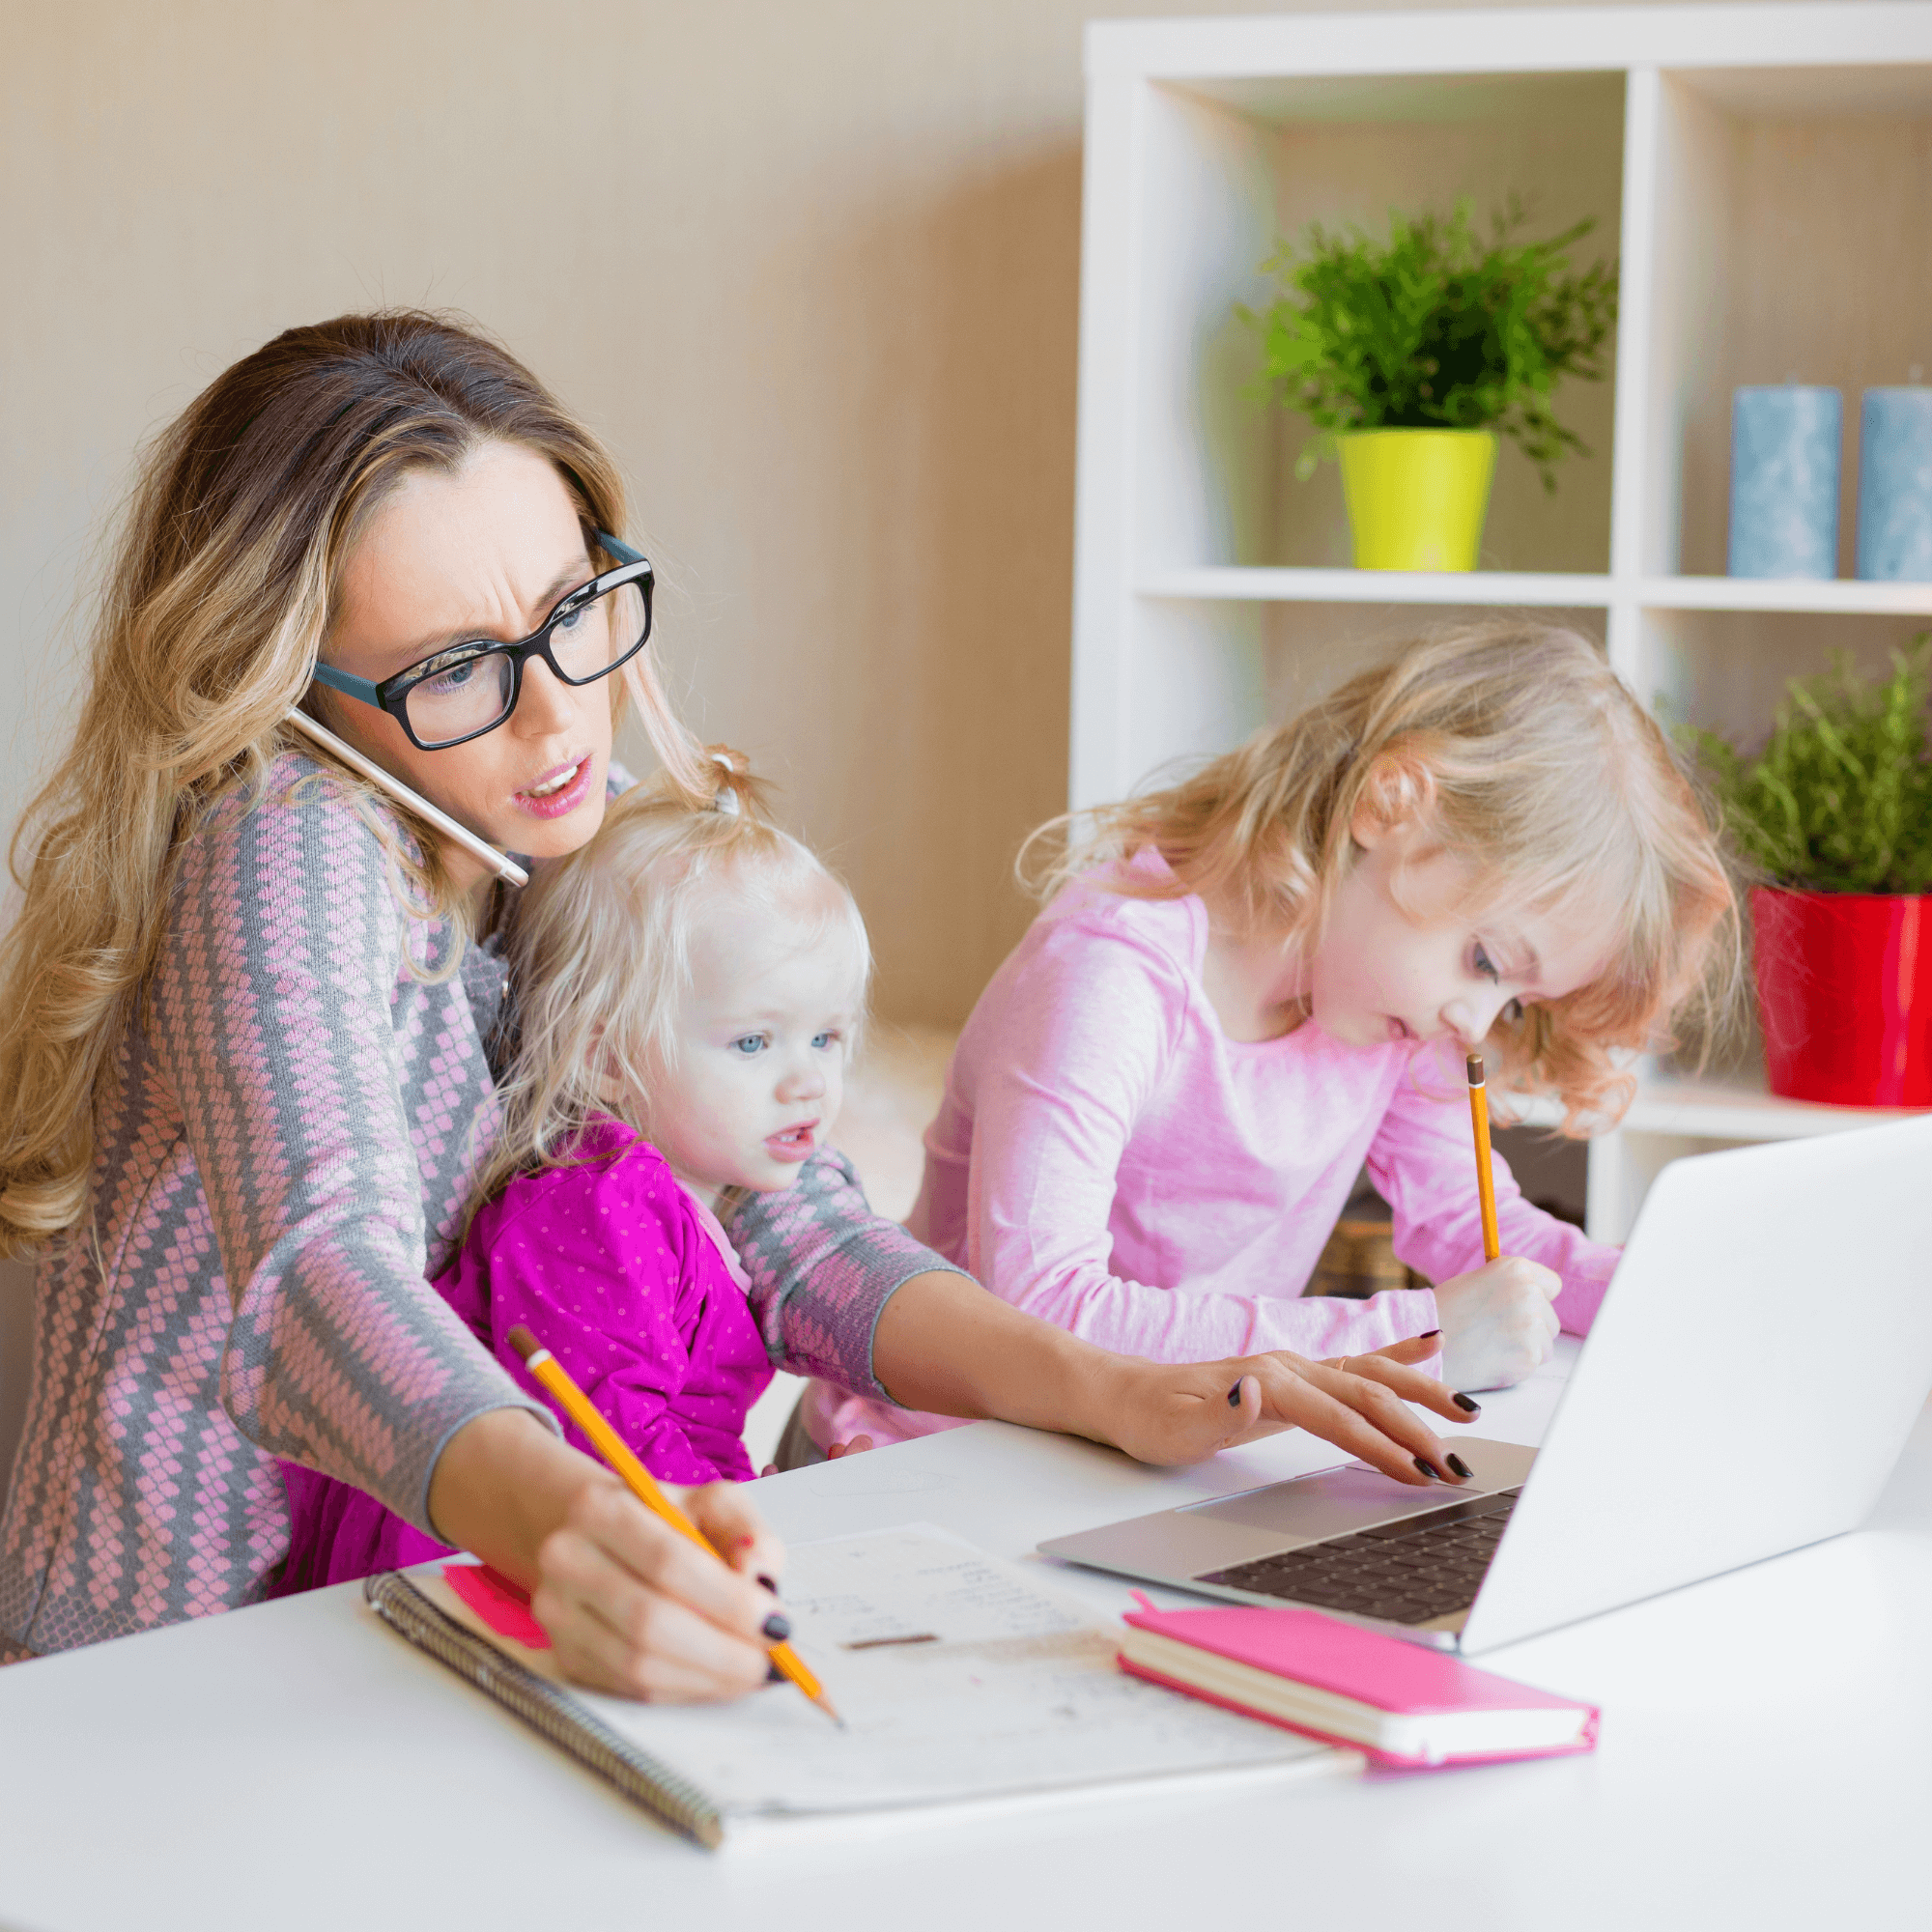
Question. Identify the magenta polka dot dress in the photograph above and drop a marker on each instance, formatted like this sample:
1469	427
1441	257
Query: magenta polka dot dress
631	1285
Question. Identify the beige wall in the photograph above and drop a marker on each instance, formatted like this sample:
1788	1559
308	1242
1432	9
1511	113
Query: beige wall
811	264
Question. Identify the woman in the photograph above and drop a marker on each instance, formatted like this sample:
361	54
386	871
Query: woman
243	1026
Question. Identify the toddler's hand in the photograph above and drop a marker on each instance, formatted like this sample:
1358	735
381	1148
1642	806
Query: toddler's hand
858	1445
1498	1323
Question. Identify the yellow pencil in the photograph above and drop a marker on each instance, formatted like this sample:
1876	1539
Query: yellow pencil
642	1485
1486	1183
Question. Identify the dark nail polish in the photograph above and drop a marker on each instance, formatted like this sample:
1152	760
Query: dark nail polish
1234	1396
771	1583
777	1626
773	1674
1428	1335
1425	1469
1464	1403
1461	1467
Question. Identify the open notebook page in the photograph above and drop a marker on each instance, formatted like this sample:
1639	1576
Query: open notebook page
958	1677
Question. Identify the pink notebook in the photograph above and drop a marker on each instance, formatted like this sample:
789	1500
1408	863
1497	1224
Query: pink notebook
1402	1704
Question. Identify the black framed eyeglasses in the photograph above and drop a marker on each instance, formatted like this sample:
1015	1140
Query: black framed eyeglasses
469	689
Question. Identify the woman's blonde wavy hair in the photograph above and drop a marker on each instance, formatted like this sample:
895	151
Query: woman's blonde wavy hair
600	953
225	585
1522	750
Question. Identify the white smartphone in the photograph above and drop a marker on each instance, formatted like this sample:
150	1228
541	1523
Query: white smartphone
503	867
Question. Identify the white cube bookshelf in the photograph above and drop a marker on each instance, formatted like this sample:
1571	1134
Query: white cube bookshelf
1764	175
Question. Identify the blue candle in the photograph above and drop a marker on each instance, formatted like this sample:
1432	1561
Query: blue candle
1895	485
1784	481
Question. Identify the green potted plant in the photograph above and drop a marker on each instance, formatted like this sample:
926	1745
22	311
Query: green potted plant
1413	354
1835	810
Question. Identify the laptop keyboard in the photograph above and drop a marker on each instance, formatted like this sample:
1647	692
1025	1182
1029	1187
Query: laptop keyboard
1404	1572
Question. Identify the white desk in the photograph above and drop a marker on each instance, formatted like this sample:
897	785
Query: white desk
1763	1764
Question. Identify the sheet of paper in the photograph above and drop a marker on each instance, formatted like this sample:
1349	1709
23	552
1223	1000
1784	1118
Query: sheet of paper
959	1675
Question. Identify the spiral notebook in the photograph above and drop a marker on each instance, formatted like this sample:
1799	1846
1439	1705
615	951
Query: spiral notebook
963	1684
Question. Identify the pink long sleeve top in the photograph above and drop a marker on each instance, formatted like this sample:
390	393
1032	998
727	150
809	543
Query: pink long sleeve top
1107	1158
631	1283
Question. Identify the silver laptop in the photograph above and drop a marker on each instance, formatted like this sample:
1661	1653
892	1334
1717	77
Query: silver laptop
1709	1423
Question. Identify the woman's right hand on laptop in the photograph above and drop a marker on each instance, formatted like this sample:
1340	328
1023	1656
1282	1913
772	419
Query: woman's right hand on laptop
1184	1412
948	1346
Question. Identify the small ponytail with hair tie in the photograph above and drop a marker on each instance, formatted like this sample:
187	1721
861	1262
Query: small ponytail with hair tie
737	792
725	798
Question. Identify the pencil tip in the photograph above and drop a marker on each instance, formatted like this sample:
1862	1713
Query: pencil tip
826	1705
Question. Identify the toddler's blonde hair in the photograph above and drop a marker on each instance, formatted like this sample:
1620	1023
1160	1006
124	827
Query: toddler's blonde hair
600	951
1525	754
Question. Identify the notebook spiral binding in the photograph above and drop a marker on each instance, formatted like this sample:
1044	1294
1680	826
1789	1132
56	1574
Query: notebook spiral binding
553	1714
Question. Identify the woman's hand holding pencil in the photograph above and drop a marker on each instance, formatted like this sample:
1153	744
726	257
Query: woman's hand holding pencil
632	1608
631	1605
557	1382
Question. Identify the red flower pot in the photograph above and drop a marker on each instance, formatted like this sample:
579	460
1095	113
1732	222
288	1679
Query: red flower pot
1844	992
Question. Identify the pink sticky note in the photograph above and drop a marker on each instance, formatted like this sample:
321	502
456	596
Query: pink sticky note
498	1601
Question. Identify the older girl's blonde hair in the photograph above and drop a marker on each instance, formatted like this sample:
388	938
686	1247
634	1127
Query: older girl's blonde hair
600	953
1522	751
225	586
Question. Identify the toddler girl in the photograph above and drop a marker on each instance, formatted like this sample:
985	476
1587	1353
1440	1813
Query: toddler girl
689	986
1249	983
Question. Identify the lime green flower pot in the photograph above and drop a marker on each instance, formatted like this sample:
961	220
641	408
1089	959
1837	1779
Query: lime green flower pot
1417	496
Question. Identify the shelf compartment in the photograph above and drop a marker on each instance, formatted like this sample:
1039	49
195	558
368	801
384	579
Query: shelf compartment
1224	170
1728	669
1793	242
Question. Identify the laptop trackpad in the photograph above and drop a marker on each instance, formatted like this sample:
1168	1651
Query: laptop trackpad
1331	1502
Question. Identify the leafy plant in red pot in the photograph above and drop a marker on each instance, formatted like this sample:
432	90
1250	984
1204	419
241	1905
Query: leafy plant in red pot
1837	812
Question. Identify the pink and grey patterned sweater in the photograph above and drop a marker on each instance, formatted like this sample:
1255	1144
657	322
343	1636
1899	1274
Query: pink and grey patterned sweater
283	1146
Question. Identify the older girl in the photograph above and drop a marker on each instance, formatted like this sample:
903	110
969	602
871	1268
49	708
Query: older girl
243	1087
1249	983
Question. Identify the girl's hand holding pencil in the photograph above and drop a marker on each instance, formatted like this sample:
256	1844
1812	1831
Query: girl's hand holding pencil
1497	1323
1498	1320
